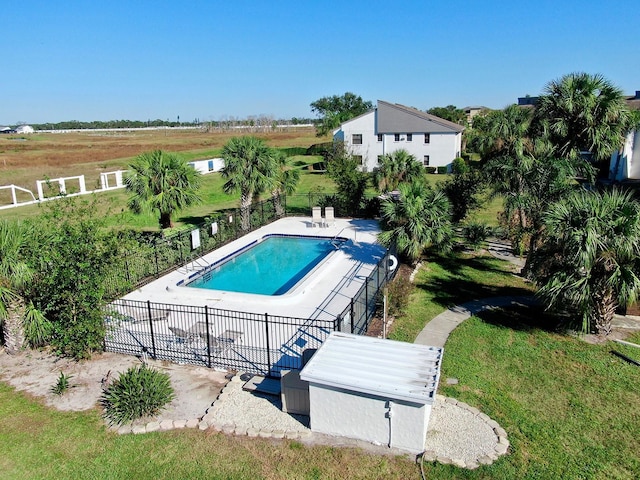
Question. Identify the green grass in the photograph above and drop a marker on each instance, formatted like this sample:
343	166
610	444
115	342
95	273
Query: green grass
447	280
39	442
569	407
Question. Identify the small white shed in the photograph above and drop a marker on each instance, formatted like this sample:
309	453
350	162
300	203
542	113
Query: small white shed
208	165
371	389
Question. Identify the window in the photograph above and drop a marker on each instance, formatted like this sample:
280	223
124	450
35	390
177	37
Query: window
409	137
427	138
425	162
358	158
396	137
379	137
356	139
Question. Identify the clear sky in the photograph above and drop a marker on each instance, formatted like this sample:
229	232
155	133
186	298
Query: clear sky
139	60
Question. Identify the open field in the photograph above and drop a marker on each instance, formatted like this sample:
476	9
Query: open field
27	158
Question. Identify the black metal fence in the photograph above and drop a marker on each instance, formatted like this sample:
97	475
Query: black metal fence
148	257
262	344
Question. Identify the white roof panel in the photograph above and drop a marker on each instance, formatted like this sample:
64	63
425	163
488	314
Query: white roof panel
385	368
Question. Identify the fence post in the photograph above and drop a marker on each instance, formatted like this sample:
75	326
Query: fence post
206	322
366	302
153	337
353	314
266	331
126	268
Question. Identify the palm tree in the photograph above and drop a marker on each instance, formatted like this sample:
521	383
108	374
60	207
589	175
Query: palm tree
583	113
590	259
286	182
418	218
15	274
161	181
250	168
395	168
503	133
507	149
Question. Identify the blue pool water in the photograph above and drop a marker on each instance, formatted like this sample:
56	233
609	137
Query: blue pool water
270	267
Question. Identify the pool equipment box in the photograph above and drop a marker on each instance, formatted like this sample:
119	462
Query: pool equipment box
372	389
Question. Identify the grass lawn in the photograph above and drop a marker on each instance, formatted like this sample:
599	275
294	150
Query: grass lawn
38	442
569	407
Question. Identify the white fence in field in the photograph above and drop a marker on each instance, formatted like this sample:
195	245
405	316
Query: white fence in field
108	181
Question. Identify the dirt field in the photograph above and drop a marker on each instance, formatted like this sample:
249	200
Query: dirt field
27	158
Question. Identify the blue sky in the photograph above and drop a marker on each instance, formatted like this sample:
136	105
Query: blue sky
139	60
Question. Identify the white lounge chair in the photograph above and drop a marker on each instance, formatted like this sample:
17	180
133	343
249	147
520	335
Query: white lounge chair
329	218
316	217
181	335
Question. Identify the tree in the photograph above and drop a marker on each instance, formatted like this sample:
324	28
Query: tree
19	319
161	181
583	113
286	181
335	110
590	259
351	182
250	168
503	133
399	166
451	113
463	189
70	255
417	219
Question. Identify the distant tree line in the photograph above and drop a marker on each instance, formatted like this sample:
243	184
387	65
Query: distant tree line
229	122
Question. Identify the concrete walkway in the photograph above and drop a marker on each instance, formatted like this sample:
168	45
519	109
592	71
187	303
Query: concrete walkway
436	332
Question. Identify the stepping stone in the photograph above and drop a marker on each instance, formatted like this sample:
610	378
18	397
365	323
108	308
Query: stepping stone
270	386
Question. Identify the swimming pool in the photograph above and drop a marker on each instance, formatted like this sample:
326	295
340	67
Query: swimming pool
272	265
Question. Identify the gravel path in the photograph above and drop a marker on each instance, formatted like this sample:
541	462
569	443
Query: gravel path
457	433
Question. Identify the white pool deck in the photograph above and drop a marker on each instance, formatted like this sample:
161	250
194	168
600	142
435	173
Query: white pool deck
322	294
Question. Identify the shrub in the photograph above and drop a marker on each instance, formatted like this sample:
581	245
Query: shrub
431	170
443	170
139	392
459	165
62	385
398	293
476	233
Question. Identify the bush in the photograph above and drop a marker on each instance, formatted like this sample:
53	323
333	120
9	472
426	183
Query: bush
443	170
398	293
62	385
139	392
476	233
431	170
459	165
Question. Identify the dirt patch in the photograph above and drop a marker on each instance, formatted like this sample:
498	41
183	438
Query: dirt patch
37	372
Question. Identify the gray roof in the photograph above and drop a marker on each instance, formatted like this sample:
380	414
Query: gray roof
396	118
373	366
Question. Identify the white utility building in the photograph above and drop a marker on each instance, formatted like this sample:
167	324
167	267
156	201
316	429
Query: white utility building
372	389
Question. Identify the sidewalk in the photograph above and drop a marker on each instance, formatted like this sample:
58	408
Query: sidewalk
436	332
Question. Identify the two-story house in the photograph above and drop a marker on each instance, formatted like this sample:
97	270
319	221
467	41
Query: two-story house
434	142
